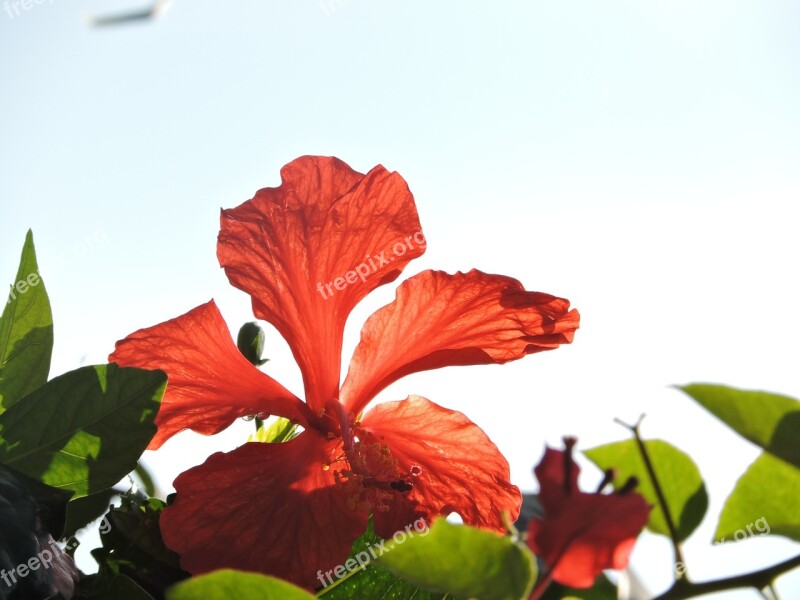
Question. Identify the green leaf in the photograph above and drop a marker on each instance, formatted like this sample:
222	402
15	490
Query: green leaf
16	487
764	501
281	430
683	487
84	510
226	584
145	479
26	332
372	581
85	430
375	582
768	420
136	521
463	561
132	546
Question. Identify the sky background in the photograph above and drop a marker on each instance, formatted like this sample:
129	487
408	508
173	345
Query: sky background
639	158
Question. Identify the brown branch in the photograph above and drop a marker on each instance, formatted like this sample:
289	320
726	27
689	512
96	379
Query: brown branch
662	501
757	579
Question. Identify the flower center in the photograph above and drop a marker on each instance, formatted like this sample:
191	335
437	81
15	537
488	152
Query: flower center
368	471
372	476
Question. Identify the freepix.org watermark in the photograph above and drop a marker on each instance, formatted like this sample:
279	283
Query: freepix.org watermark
761	528
41	560
370	265
12	8
93	241
44	558
23	285
373	551
331	6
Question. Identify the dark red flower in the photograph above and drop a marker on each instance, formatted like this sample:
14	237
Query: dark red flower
581	534
307	252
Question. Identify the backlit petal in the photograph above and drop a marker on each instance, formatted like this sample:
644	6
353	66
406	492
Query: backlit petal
551	475
269	508
309	250
591	532
452	464
438	320
210	382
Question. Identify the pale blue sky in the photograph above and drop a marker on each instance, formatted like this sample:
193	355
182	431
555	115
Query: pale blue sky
639	158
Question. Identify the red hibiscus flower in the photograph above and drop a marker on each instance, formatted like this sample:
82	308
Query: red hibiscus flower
582	534
307	252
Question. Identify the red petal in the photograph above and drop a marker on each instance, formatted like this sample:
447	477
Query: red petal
440	320
270	508
550	472
461	470
591	532
287	244
210	382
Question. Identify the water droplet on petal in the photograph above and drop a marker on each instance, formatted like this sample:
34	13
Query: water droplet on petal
325	467
416	470
248	417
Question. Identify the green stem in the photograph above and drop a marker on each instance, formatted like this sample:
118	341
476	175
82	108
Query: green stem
757	579
338	581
